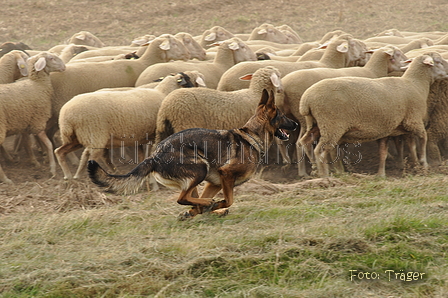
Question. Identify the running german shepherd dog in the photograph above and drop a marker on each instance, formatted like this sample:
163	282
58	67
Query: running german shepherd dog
223	158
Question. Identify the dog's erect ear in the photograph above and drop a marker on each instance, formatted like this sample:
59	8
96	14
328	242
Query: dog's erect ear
264	98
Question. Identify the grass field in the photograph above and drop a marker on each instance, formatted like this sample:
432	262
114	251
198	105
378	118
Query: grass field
280	240
353	235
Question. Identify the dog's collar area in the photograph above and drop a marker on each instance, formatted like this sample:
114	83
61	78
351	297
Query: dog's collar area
257	143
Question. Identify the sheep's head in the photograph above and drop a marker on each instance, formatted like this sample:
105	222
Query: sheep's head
396	58
241	52
46	62
86	38
438	65
293	37
195	49
266	77
213	35
270	33
20	59
172	48
196	78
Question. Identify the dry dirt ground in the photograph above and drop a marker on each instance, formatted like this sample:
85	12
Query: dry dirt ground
42	24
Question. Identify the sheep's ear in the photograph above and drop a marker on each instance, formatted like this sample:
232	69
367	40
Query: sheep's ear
234	46
210	37
343	47
247	77
275	80
165	45
389	52
80	36
21	63
40	64
264	97
200	82
323	46
428	61
139	42
262	31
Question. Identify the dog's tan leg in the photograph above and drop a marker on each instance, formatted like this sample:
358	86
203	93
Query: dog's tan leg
228	183
210	190
199	204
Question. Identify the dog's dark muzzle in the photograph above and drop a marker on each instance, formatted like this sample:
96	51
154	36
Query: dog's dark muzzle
281	131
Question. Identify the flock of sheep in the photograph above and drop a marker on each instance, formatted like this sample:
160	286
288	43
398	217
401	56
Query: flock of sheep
340	89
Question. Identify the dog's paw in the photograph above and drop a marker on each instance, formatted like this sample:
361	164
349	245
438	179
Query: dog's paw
184	216
213	206
221	212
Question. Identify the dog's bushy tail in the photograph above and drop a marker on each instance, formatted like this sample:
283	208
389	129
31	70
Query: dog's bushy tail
124	184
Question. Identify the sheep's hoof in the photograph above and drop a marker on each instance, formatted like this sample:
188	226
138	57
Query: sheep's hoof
7	181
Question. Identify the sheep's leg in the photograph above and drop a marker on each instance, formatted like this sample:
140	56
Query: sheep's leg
26	142
3	177
433	149
399	145
107	160
382	150
283	151
321	152
301	150
43	137
423	138
82	163
100	154
61	154
6	154
336	160
412	149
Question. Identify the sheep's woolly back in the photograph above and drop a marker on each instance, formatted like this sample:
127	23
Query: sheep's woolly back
375	107
129	114
332	58
91	76
212	71
210	108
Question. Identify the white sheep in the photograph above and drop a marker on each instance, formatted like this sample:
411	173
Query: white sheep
25	106
13	66
91	76
213	35
229	52
195	49
382	62
213	109
269	32
142	40
71	51
354	109
85	38
340	52
108	118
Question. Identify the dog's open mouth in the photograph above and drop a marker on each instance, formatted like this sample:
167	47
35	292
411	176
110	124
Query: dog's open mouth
281	134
